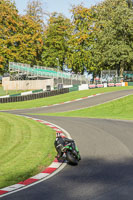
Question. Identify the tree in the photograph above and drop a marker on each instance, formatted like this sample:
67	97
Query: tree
130	3
80	42
56	35
30	41
9	25
113	47
35	11
20	37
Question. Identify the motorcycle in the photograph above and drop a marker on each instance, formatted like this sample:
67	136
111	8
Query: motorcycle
67	150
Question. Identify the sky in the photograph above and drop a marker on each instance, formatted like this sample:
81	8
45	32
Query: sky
60	6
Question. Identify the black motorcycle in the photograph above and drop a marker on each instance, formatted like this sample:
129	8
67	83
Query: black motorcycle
67	150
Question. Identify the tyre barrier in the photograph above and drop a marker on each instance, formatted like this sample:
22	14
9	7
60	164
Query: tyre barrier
34	96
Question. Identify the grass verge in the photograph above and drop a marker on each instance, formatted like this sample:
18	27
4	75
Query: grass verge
59	98
26	148
117	109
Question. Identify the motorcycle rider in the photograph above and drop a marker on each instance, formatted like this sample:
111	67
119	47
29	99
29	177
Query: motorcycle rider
60	144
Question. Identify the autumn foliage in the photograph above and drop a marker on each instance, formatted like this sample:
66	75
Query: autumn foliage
96	38
20	37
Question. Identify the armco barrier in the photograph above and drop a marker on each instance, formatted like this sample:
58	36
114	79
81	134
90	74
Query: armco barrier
118	84
83	87
92	86
130	83
111	84
14	95
34	96
74	88
36	91
100	85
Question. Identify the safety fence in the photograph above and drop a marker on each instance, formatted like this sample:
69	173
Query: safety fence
33	96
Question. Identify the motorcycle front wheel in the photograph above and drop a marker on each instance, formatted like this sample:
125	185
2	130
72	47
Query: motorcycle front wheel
71	158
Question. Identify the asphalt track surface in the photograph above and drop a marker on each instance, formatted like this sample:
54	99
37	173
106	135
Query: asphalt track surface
106	169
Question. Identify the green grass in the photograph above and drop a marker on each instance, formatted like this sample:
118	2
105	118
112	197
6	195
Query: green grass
26	148
59	98
117	109
9	92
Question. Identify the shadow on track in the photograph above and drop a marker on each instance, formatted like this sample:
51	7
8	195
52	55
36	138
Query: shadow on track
98	179
101	180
